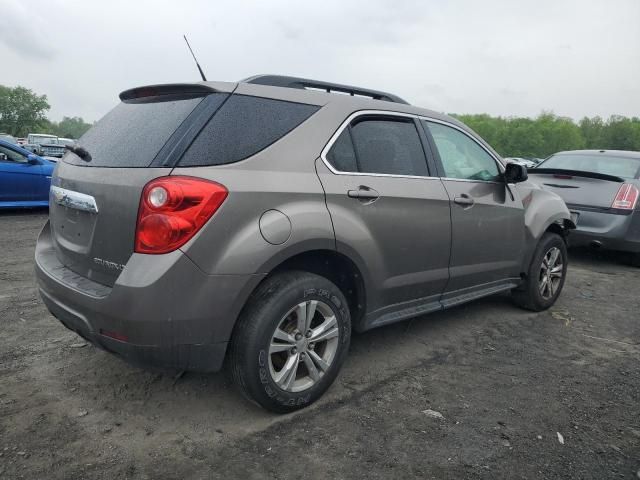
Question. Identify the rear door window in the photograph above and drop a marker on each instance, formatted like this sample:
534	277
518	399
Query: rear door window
242	127
132	134
380	145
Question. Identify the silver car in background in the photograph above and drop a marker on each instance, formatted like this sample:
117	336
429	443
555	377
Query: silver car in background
601	189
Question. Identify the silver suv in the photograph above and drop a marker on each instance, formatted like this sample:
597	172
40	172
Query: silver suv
258	223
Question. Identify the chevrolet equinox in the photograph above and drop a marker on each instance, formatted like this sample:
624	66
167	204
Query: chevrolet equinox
256	224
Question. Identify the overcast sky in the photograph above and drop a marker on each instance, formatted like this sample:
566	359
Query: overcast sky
503	57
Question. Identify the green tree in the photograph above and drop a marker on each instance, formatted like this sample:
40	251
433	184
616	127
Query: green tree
621	133
21	110
559	133
71	127
592	130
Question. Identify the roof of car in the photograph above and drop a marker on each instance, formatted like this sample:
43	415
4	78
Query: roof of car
294	89
301	90
609	153
322	86
312	91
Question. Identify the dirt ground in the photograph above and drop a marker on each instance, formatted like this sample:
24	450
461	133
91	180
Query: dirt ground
509	384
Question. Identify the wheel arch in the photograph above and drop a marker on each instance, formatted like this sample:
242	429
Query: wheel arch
336	267
544	212
322	259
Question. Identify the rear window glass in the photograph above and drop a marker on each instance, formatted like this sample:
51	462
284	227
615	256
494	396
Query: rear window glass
605	164
132	134
242	127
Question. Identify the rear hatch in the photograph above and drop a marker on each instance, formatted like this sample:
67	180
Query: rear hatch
94	204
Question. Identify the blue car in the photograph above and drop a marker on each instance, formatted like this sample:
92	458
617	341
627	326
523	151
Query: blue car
25	178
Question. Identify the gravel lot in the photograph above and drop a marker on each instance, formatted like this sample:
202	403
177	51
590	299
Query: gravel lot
509	384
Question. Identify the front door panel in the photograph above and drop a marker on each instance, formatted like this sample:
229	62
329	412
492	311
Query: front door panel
487	216
487	234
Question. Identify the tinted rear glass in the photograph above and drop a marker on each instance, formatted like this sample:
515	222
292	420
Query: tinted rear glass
598	163
132	134
242	127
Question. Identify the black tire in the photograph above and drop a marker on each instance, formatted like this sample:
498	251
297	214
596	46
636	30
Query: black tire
528	295
635	260
250	362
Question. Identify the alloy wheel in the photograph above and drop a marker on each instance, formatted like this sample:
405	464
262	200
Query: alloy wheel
303	346
551	272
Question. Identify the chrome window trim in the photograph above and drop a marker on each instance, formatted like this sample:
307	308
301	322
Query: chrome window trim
452	179
75	200
360	113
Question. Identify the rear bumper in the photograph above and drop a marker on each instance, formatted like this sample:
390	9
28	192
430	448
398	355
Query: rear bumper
165	311
607	230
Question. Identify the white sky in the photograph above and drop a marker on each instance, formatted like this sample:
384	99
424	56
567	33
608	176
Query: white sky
502	57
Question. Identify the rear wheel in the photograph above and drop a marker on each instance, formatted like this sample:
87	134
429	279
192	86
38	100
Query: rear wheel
290	341
635	260
546	274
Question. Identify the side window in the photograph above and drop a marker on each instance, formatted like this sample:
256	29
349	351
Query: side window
388	146
461	156
8	155
342	156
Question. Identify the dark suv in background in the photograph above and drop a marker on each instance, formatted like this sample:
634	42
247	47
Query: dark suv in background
261	221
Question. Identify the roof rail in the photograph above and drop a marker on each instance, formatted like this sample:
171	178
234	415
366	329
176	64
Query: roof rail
307	84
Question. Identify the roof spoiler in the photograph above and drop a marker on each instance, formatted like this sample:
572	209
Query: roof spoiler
576	173
308	84
166	92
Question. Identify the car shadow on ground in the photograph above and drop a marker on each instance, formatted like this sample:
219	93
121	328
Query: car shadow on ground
594	257
374	356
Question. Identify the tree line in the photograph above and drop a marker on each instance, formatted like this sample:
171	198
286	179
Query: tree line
22	112
548	133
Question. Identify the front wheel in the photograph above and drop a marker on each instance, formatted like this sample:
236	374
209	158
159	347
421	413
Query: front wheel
546	275
290	341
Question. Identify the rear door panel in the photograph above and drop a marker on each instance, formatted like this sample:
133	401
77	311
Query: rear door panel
403	237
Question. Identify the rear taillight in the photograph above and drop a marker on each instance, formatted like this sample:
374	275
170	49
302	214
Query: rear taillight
626	197
173	209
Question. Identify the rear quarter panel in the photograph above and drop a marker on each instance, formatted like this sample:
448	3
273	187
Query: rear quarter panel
281	177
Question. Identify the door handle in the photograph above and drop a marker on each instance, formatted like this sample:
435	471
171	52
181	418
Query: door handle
364	193
464	200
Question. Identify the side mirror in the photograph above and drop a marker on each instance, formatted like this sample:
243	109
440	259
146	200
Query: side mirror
515	173
32	159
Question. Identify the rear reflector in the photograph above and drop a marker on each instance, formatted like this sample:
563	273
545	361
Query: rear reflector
626	198
173	209
563	177
115	335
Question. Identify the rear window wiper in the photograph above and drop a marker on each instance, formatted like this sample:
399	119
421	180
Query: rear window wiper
80	152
